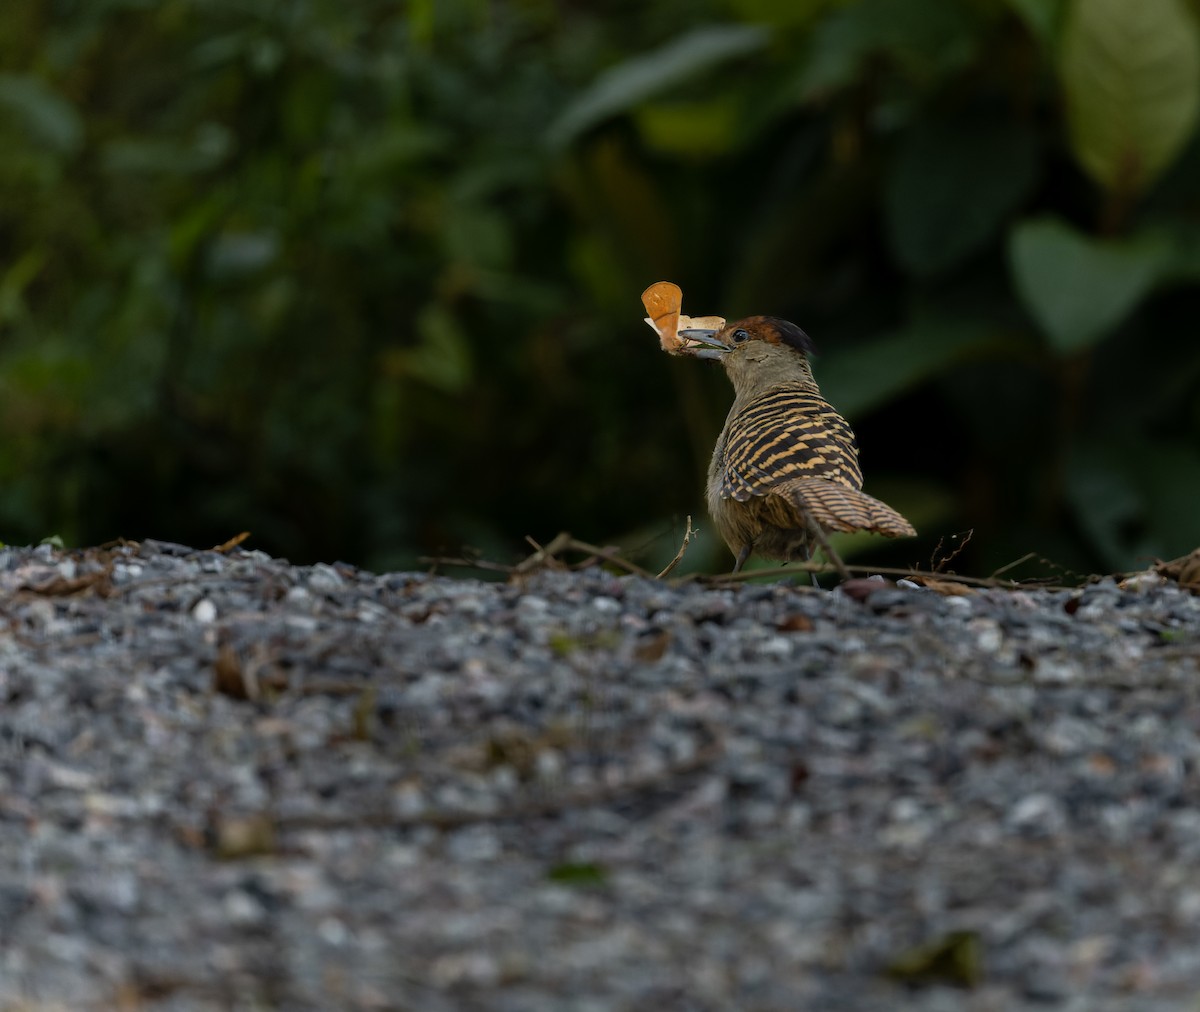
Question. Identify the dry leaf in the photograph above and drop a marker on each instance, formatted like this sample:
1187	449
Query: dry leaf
231	677
1142	581
1185	571
652	645
796	622
232	543
954	958
949	588
234	837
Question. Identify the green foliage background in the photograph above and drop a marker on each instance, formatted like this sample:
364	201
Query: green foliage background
363	277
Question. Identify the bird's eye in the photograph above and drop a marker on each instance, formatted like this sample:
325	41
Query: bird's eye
741	335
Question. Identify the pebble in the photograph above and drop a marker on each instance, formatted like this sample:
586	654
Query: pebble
587	791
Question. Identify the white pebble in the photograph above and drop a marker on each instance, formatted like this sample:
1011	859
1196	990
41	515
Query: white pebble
1037	811
325	578
298	595
988	637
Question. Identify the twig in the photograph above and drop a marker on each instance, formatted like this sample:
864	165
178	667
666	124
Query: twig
1013	565
687	538
909	574
228	546
609	555
564	543
941	564
461	563
545	555
746	575
541	556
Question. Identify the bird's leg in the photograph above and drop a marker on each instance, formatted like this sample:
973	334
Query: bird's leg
827	548
808	558
742	556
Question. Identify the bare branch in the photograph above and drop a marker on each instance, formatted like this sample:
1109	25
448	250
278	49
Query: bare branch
687	539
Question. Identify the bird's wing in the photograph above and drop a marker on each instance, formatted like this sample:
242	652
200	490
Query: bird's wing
789	432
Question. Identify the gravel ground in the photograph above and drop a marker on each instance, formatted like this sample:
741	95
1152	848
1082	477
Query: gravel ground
227	782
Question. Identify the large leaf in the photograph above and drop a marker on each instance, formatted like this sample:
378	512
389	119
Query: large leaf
442	358
1080	289
207	147
925	39
1170	473
1136	502
794	14
859	380
1042	17
16	278
953	182
1185	244
48	118
1131	75
1106	502
690	129
691	55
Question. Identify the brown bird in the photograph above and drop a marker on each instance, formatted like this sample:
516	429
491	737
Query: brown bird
785	468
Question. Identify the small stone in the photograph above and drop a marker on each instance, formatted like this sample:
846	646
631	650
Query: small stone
1039	812
324	579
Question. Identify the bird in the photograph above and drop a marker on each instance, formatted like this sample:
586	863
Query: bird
785	468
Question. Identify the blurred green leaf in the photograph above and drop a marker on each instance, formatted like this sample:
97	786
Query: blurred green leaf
46	116
1077	288
690	128
16	279
235	254
1131	79
694	54
1105	500
1184	264
925	40
954	958
791	15
1136	502
204	150
1043	18
442	358
630	208
860	379
478	236
578	873
1170	474
952	184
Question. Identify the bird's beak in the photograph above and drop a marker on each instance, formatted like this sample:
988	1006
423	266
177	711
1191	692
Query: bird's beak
706	344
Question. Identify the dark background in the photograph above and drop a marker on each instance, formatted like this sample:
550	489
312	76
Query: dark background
363	278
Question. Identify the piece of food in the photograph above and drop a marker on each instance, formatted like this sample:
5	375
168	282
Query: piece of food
663	301
715	323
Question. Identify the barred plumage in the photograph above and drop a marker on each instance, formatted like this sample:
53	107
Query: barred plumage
789	431
785	469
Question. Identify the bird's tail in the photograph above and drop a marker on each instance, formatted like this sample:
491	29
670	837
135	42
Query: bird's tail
838	507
